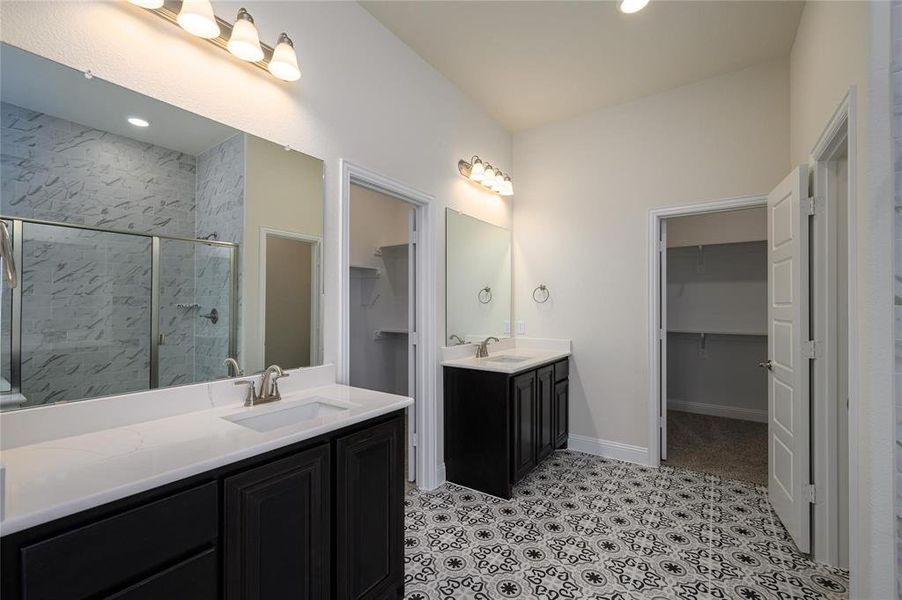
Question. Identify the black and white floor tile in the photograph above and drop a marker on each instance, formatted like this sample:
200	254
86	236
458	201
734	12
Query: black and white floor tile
581	526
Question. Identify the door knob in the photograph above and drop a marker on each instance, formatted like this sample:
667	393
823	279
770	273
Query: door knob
768	364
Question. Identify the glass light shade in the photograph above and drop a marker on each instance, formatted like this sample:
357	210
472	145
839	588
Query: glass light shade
477	171
631	6
284	62
244	41
507	188
197	18
151	4
488	176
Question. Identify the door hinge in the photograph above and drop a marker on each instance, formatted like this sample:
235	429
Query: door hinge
414	238
809	493
413	337
661	245
813	203
810	350
413	440
661	334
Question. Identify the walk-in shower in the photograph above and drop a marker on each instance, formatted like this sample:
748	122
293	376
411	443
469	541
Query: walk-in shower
102	311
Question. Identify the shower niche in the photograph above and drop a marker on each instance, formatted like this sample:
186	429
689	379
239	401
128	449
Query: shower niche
133	257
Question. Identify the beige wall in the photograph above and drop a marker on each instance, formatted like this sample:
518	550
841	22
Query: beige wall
289	269
375	220
842	44
748	225
584	190
282	190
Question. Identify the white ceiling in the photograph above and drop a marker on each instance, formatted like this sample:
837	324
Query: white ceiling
33	82
531	63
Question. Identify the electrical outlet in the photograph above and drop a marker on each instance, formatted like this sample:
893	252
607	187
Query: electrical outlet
521	327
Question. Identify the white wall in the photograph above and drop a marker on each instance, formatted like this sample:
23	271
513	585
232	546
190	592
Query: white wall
584	190
718	228
413	127
840	44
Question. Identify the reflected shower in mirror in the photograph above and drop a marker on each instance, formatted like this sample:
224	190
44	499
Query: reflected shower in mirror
477	279
146	242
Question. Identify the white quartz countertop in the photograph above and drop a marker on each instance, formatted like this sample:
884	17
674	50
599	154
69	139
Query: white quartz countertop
509	361
60	477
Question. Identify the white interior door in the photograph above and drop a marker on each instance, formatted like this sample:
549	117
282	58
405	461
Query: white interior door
412	345
662	335
788	390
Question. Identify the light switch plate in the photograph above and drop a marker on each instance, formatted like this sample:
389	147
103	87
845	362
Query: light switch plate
521	327
507	327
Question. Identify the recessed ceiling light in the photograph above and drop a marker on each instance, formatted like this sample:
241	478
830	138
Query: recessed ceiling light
138	122
631	6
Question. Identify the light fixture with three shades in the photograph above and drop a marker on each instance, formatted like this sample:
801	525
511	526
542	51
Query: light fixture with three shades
486	175
241	39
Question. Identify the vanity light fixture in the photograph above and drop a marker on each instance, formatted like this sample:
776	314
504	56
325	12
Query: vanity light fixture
244	41
284	62
486	175
139	122
631	6
197	18
241	39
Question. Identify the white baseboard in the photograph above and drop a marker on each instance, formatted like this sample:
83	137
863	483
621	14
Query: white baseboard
716	410
616	450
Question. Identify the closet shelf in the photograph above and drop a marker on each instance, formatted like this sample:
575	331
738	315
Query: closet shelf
719	332
367	271
384	333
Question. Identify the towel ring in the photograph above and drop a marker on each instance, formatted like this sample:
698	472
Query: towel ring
484	295
544	290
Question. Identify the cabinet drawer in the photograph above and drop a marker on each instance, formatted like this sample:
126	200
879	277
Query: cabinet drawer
114	552
192	579
562	370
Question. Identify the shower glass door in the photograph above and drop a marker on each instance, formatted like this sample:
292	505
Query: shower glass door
8	395
85	313
196	310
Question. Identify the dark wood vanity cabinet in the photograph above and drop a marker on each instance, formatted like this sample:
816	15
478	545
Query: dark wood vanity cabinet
498	427
276	529
319	519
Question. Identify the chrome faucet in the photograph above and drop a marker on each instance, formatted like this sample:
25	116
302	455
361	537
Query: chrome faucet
233	369
269	387
459	342
482	350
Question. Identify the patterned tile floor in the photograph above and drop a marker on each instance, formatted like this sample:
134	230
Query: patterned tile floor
581	526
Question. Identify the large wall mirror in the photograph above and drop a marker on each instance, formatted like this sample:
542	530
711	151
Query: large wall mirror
477	279
144	245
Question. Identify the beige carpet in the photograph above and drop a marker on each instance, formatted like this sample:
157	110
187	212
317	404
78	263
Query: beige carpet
728	448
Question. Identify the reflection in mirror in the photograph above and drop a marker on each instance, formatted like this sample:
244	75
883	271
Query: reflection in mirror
149	243
477	279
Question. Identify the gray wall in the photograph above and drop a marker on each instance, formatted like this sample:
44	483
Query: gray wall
720	291
897	133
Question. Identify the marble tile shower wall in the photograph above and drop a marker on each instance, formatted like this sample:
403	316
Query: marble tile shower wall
897	136
86	310
220	210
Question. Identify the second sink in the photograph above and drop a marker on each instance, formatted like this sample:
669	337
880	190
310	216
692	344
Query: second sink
507	359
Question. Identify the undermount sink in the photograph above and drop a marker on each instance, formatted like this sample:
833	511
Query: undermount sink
508	359
285	416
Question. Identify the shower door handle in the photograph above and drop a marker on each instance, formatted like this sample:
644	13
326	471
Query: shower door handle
6	254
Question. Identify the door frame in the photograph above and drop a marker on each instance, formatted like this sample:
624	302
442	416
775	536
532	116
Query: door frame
425	395
657	392
316	319
841	129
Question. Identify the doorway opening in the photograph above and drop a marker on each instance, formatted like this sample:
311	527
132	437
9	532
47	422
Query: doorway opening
422	425
382	300
714	317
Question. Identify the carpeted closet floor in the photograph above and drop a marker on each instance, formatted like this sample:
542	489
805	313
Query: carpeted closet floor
728	448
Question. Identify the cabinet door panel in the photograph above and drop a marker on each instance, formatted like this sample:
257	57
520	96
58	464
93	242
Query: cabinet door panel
369	512
545	431
277	529
523	414
561	413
